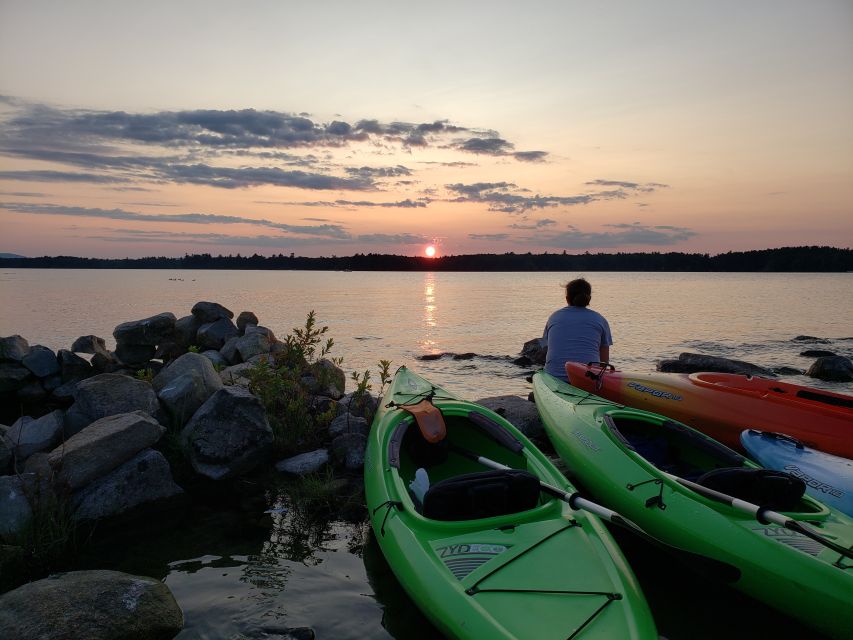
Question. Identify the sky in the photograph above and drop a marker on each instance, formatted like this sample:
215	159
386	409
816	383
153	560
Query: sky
132	129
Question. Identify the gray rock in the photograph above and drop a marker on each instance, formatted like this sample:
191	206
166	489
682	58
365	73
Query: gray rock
13	348
304	463
520	412
186	329
149	331
832	368
33	392
348	423
238	374
214	335
41	361
13	376
15	510
73	366
326	379
89	344
134	354
363	405
229	350
787	371
52	383
264	331
348	450
195	364
811	340
536	350
817	353
102	446
246	317
216	359
109	394
168	351
5	454
210	312
185	385
30	435
64	393
96	605
252	344
229	435
694	362
143	479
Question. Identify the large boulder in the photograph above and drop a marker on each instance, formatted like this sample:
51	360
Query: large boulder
134	354
326	379
214	335
102	446
348	423
13	376
246	318
216	359
95	605
108	394
13	348
15	509
535	350
89	344
520	412
238	374
252	344
143	479
832	368
229	350
304	463
348	450
185	385
185	330
73	367
31	435
229	435
210	312
41	361
359	404
149	331
694	362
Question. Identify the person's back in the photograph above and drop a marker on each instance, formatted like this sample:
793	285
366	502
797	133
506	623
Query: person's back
576	333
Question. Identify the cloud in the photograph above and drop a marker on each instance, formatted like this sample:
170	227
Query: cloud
538	224
254	176
530	156
379	172
59	176
324	230
392	238
633	186
408	203
274	242
488	236
626	234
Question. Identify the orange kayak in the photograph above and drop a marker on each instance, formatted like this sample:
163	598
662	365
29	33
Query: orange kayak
722	405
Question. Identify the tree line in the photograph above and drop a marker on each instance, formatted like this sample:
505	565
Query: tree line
785	259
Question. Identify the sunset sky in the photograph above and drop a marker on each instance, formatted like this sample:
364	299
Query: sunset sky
321	128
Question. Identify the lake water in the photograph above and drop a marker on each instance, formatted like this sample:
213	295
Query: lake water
239	575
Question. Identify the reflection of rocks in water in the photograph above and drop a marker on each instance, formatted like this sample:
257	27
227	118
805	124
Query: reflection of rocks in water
400	617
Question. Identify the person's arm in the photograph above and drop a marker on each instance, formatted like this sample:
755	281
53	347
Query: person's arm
604	354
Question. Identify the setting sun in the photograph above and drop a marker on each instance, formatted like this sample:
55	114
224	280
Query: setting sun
430	251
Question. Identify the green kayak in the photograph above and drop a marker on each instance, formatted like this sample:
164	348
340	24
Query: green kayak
690	492
485	554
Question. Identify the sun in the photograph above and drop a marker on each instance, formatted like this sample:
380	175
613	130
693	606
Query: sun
430	251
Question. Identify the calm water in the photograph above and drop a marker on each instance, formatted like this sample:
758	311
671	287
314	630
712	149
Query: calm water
236	573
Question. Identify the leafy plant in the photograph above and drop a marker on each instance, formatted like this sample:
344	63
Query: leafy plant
146	375
194	348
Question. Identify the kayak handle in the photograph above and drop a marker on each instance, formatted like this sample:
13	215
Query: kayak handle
775	435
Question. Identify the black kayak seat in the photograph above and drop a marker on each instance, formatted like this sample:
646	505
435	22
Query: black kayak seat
481	495
767	488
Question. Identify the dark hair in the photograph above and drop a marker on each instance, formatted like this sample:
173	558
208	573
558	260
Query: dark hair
578	293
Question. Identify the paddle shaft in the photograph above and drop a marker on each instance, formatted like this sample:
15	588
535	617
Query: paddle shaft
762	515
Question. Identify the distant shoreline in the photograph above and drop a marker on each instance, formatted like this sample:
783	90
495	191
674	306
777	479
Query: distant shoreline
782	260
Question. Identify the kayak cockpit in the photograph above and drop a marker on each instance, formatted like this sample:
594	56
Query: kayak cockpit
445	483
680	451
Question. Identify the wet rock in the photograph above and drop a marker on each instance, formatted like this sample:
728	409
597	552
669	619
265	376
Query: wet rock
135	354
348	450
210	312
214	335
245	318
96	605
348	423
832	368
430	356
41	361
304	463
89	344
185	385
13	376
521	413
143	479
73	367
13	348
102	446
693	362
817	353
229	435
149	331
30	435
523	361
464	356
811	339
109	394
536	350
15	509
186	329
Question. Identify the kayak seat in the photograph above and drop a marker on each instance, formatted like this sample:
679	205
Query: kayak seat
481	495
767	488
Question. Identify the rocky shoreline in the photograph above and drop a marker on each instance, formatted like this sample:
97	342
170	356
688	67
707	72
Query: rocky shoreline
181	407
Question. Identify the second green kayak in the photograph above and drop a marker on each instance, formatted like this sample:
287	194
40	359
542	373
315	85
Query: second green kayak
487	555
693	493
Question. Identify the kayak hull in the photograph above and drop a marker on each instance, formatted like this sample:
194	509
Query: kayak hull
722	405
546	572
765	561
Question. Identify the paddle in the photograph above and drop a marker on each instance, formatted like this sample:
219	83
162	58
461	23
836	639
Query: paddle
762	515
